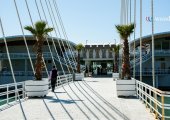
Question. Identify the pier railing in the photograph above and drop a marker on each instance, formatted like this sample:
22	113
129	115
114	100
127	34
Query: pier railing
63	79
8	93
156	100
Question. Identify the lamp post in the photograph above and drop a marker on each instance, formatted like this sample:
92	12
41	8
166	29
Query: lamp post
86	42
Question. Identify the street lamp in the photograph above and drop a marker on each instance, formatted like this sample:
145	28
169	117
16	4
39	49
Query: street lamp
86	42
115	41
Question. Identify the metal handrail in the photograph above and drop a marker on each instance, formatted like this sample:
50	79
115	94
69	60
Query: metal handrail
154	99
8	92
144	58
63	79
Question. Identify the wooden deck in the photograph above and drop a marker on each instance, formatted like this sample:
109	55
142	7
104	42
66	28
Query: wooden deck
91	99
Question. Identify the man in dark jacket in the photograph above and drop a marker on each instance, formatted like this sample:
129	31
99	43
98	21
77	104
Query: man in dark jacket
53	77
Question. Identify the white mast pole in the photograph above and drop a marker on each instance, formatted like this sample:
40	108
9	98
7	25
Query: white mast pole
153	49
140	40
134	69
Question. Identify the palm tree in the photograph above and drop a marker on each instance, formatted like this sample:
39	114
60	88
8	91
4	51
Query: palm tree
79	47
39	32
116	49
125	31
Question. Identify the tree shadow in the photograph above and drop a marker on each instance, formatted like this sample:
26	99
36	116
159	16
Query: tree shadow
128	97
59	92
64	101
92	81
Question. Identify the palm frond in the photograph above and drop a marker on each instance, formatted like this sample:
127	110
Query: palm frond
116	48
47	30
125	30
40	26
79	47
30	29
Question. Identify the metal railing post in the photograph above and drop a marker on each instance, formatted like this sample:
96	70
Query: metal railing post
68	76
146	98
74	75
67	80
137	89
23	90
7	96
57	82
140	92
155	104
163	110
71	77
150	102
16	94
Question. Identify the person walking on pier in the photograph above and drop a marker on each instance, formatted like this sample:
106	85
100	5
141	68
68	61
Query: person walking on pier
53	78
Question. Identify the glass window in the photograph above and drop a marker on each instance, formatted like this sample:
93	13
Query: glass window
91	53
49	61
165	45
157	45
160	59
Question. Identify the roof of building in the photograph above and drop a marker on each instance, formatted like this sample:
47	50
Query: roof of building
99	46
148	38
29	37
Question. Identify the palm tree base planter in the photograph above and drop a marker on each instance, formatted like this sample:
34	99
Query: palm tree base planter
37	88
125	87
79	76
115	76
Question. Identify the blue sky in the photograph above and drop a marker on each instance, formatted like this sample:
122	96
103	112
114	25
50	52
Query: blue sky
91	20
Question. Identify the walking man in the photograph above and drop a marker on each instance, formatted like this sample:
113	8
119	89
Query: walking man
53	76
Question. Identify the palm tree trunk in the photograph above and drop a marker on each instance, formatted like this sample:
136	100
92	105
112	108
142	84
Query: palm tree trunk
116	64
39	61
78	62
113	69
126	63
